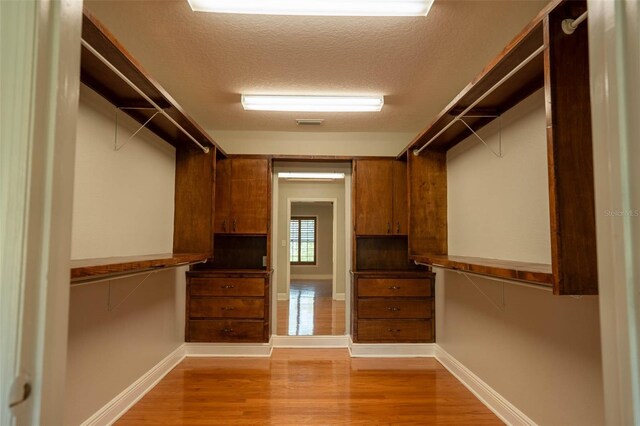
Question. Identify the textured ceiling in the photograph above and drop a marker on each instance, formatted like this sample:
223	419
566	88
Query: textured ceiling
205	61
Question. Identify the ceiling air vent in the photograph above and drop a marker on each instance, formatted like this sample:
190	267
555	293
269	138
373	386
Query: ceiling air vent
309	121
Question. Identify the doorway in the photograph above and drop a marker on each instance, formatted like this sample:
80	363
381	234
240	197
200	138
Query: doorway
310	252
313	307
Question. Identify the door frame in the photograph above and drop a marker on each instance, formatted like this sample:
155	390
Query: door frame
38	155
334	247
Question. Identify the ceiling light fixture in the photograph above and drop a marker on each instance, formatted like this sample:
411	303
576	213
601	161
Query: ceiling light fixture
316	7
312	103
310	175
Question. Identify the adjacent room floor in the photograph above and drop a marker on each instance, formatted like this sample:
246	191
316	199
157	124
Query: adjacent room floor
309	387
310	310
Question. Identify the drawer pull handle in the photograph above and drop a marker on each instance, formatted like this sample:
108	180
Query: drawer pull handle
228	286
394	287
228	308
394	330
227	330
393	308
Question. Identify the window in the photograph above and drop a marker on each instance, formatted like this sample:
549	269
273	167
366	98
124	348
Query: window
302	244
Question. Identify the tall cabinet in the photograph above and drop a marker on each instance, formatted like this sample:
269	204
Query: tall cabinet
228	298
392	299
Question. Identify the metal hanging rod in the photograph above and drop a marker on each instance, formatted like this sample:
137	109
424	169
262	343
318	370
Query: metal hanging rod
522	64
141	93
569	25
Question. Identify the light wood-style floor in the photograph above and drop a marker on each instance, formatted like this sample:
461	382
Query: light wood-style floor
310	310
309	387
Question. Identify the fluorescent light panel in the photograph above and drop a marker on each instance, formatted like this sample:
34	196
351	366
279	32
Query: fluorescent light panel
310	175
312	103
316	7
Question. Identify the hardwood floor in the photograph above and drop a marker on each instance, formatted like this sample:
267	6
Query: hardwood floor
310	310
309	387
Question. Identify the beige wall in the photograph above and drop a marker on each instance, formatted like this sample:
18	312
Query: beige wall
323	212
123	205
313	143
542	353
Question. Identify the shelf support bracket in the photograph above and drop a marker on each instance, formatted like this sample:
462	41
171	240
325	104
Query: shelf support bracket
501	307
112	308
497	154
115	142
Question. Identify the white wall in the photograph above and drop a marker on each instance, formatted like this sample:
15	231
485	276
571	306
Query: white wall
313	143
123	205
542	352
323	212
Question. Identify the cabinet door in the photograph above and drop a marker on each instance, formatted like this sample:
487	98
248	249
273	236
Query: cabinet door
374	200
221	222
249	196
400	203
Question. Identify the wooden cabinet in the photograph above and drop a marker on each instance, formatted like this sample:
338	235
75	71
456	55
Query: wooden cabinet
242	196
380	195
393	307
228	306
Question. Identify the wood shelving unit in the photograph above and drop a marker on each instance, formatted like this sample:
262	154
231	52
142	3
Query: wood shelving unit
559	63
103	80
88	270
195	166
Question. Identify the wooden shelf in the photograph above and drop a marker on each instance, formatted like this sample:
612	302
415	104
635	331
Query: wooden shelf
537	273
519	86
87	270
96	75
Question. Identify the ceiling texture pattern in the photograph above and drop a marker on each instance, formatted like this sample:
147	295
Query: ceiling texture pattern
206	61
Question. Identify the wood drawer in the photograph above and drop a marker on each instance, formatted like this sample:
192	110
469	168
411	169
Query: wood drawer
226	331
223	286
395	330
394	308
226	307
394	287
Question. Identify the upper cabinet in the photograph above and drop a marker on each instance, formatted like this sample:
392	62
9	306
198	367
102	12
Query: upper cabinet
380	194
242	196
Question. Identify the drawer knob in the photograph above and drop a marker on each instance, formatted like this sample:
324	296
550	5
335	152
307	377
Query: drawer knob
228	286
394	287
393	308
228	308
394	330
227	330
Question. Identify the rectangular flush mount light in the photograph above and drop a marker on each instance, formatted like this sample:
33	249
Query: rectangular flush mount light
316	7
310	175
312	103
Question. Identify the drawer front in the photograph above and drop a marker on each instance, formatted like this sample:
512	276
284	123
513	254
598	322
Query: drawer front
394	287
226	331
395	331
226	307
394	308
221	286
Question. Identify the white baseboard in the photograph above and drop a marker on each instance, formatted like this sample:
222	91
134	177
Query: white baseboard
310	341
119	405
283	296
391	350
339	296
502	408
228	349
311	277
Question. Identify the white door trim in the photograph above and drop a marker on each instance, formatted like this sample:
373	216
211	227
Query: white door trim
334	231
614	54
40	87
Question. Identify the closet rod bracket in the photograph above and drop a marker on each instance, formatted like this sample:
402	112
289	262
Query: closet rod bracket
115	142
497	154
570	25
